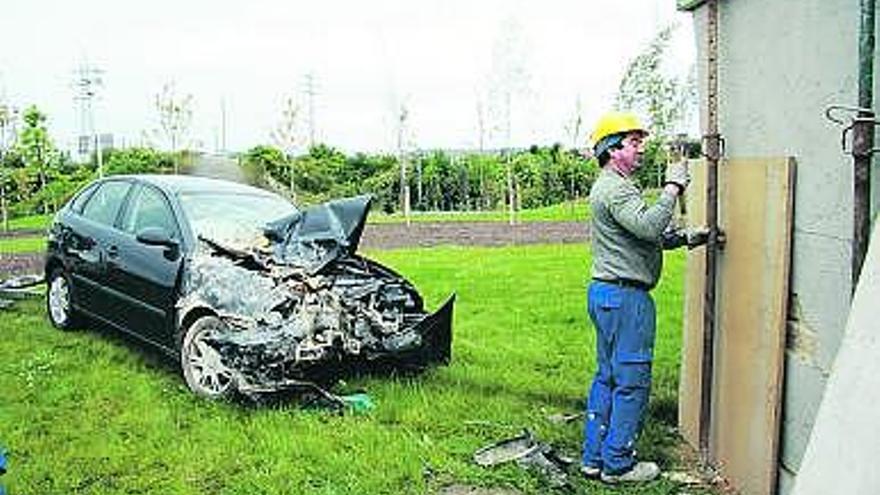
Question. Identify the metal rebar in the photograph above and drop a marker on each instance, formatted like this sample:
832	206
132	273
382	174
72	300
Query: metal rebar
863	141
713	149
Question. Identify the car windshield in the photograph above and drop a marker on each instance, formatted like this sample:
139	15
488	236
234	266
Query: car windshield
234	220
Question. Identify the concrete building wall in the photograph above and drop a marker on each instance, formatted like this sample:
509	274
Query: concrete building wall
782	63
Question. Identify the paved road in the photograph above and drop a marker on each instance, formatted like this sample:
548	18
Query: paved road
391	236
217	167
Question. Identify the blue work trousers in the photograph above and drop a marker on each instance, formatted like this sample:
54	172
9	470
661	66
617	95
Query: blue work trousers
625	321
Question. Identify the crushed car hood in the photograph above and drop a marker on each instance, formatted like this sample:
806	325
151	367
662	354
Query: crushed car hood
318	235
308	305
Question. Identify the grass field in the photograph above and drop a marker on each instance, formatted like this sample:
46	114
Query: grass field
22	245
88	412
571	211
30	222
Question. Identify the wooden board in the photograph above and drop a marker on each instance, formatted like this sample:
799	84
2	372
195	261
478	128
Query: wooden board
755	211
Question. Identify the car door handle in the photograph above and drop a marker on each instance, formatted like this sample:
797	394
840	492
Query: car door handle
113	251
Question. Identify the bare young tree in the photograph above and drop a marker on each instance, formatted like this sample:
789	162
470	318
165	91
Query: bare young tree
509	81
646	89
175	117
288	137
573	129
574	126
8	117
402	116
482	131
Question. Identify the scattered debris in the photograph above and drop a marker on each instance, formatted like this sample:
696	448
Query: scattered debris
476	490
683	478
19	287
530	453
562	418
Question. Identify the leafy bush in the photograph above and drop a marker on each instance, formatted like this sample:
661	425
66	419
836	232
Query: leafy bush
438	180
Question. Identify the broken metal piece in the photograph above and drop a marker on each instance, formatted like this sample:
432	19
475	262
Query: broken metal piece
561	418
530	453
19	287
507	450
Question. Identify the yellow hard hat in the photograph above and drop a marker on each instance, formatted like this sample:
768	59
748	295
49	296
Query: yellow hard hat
615	123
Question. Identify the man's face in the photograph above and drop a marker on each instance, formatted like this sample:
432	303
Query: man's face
628	158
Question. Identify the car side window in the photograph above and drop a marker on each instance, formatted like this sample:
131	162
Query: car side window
77	204
103	205
150	209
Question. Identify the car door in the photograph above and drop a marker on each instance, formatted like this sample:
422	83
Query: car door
87	235
145	276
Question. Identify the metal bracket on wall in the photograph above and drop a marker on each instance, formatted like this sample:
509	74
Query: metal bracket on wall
713	146
861	117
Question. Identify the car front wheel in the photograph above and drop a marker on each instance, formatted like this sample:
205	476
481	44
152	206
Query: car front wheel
203	367
59	302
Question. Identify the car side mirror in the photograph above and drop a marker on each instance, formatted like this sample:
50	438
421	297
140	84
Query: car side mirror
155	236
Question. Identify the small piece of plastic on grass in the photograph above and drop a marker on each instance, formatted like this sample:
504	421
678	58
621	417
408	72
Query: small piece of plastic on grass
358	403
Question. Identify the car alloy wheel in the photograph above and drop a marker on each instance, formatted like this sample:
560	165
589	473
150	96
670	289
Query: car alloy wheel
203	367
58	301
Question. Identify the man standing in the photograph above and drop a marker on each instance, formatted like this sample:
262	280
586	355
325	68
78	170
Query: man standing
627	241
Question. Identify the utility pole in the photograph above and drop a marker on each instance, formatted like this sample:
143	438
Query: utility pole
86	82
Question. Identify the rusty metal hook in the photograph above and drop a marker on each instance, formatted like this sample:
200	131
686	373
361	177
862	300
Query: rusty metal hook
863	116
829	112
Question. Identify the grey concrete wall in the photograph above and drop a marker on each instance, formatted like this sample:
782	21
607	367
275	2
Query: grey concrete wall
782	62
845	440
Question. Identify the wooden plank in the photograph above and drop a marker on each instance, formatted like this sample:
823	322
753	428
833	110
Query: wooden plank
692	339
755	211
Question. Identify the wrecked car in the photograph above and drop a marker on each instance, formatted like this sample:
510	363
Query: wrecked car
248	292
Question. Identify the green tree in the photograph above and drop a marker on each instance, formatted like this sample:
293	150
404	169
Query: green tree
666	100
37	150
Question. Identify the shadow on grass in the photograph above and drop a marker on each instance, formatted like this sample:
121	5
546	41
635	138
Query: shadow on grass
316	391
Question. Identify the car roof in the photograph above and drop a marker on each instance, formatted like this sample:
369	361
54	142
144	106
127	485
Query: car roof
182	184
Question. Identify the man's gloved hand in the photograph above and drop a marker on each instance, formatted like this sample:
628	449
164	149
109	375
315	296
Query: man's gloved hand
697	237
677	173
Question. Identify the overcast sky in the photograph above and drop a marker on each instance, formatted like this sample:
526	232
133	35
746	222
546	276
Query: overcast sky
367	57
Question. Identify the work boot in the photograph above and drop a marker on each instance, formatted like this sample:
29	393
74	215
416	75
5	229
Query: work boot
590	472
641	471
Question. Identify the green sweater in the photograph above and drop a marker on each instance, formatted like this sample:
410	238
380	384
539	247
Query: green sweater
626	232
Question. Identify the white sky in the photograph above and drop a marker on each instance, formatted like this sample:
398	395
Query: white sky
367	57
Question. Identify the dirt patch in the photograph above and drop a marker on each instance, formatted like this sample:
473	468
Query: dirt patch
19	233
475	490
21	264
390	236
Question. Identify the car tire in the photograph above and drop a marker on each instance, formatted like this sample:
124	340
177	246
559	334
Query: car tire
59	301
202	367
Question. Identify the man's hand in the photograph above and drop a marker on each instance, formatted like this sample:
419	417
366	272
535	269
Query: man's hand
677	173
697	237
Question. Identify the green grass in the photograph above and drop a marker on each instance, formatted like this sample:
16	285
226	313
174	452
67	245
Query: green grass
30	222
87	412
563	212
22	245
